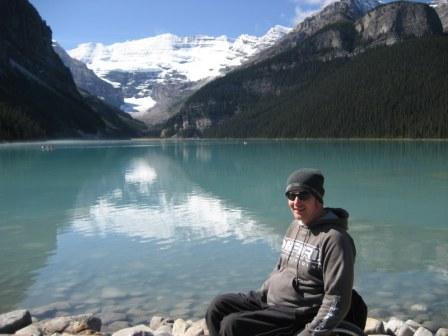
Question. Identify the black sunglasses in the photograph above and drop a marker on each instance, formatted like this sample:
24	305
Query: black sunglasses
302	195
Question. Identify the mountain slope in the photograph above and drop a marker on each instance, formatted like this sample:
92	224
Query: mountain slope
160	71
441	7
304	91
38	98
86	79
336	12
353	98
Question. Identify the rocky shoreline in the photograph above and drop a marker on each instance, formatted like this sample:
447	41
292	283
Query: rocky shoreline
23	323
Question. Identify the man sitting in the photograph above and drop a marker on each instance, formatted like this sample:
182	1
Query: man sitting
310	288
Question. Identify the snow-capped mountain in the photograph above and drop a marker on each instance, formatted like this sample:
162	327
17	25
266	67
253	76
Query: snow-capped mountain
144	68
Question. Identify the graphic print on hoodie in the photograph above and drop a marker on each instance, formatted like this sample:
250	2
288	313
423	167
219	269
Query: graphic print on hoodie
310	254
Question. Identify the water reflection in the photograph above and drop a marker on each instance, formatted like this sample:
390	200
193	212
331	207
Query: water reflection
158	201
161	227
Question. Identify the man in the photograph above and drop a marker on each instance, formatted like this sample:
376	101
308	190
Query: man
311	286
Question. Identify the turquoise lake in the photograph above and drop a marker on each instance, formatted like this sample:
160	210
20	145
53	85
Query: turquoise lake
160	227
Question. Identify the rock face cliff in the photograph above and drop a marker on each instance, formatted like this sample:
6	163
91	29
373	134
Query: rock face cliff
388	24
242	95
38	97
336	12
441	7
88	81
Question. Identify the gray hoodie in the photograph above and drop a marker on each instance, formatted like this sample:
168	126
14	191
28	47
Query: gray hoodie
315	271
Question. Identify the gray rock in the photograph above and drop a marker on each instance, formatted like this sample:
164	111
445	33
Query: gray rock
156	322
164	329
432	325
405	330
413	324
180	327
419	307
13	321
442	332
423	332
393	325
31	330
140	330
374	326
71	324
198	328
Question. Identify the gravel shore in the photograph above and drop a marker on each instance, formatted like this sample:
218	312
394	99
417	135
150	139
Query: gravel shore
25	323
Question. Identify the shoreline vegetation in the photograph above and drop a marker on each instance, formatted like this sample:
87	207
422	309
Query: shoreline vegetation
86	141
25	323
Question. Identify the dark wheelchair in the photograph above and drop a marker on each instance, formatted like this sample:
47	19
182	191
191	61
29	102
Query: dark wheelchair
346	328
355	318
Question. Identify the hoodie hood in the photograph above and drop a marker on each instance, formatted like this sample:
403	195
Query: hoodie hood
333	216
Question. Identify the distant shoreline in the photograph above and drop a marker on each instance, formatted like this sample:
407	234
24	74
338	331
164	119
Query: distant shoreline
85	141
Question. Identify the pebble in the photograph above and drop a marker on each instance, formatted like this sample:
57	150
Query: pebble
442	332
413	324
31	330
140	330
423	332
374	326
13	321
120	324
419	308
180	327
405	330
393	326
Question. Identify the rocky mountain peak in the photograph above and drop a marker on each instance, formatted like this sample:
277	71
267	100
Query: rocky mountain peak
395	21
343	10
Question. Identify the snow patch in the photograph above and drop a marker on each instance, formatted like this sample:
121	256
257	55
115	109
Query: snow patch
133	104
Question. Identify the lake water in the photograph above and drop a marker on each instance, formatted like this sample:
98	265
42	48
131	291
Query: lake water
160	227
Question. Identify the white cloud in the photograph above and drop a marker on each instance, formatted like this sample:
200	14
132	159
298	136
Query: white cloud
306	8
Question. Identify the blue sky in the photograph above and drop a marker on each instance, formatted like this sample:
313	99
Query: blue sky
107	21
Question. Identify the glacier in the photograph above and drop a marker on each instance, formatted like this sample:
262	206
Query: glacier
142	68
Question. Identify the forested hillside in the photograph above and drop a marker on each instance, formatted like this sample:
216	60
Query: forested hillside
397	91
349	79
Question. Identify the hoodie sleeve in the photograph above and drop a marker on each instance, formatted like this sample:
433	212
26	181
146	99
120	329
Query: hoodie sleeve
338	256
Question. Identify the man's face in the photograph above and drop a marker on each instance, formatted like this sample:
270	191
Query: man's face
304	206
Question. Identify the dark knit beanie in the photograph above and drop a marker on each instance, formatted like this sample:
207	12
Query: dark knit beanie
307	179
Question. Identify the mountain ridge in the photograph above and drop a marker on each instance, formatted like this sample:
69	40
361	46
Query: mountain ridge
244	92
152	70
38	97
